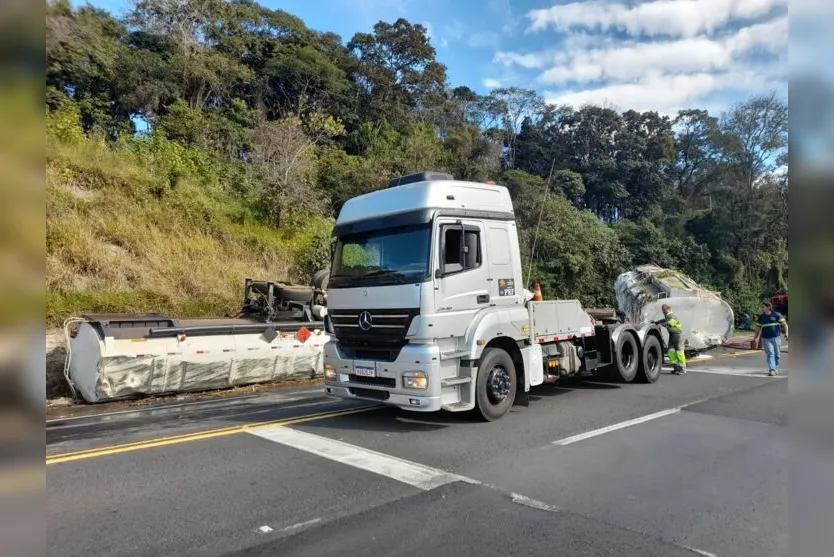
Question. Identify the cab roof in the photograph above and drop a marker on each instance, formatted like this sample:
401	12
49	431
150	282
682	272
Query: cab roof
419	199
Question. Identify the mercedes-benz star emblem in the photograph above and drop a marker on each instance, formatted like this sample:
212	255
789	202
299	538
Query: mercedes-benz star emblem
366	321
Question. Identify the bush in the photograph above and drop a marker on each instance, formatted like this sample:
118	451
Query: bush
150	225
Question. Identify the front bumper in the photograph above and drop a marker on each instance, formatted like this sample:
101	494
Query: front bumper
407	402
386	387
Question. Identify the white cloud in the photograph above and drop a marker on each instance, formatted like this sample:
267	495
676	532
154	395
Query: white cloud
529	61
459	32
663	93
629	61
676	18
433	38
491	83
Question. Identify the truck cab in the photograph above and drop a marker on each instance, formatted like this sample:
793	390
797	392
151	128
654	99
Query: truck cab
427	307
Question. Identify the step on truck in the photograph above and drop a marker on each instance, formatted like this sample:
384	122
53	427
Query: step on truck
427	310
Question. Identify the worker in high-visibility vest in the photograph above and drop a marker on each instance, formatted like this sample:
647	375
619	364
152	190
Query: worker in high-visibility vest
675	351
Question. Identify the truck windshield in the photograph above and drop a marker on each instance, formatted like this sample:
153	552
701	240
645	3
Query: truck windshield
394	255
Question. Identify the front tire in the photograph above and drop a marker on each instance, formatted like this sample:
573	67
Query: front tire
496	384
651	360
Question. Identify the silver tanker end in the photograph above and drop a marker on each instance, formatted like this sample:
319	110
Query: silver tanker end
707	319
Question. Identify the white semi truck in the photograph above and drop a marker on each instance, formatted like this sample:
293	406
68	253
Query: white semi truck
427	310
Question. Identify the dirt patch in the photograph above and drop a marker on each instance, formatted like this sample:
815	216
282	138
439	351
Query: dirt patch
56	353
82	193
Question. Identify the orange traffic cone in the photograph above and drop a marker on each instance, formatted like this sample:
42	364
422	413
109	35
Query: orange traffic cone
537	292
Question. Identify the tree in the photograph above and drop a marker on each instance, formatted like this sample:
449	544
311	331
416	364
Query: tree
575	255
697	142
206	75
83	57
284	158
397	70
515	105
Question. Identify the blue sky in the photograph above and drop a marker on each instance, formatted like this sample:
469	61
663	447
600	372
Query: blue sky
647	55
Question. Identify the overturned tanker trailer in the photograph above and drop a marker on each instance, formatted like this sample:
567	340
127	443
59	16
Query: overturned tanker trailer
707	319
122	356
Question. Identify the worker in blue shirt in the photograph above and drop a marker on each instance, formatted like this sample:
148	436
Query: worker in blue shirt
770	325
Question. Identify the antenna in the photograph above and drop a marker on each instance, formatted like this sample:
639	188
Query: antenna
539	223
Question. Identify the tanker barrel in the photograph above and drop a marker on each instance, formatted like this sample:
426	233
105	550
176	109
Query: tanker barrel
708	320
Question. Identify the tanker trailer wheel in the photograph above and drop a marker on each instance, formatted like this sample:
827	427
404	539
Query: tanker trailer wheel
627	356
293	293
651	360
321	279
496	384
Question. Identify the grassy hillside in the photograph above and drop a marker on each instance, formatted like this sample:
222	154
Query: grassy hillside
151	225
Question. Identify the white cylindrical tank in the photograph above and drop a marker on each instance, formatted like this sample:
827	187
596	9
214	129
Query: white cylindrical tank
707	319
115	363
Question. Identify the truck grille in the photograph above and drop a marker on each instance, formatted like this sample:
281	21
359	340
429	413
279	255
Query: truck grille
388	326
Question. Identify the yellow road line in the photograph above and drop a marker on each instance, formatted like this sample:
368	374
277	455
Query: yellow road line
199	436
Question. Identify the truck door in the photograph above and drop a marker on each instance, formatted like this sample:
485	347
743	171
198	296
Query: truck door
461	283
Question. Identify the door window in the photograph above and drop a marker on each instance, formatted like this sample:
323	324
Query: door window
461	249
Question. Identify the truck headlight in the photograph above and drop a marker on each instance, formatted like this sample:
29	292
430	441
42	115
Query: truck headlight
415	380
329	372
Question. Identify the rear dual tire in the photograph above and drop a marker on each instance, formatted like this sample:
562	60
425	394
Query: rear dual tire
636	363
651	360
627	355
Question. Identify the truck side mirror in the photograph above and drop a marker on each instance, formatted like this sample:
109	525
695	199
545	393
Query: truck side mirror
438	274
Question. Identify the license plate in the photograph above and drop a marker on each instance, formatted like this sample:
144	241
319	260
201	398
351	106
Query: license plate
363	371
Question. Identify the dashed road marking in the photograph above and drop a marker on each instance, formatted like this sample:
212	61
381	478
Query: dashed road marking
301	525
614	427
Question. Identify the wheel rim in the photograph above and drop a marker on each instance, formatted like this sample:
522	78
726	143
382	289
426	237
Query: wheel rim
498	385
627	356
652	359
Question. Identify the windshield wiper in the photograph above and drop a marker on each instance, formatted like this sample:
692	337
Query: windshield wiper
385	273
377	272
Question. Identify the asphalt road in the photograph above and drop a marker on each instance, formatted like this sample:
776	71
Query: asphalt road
691	465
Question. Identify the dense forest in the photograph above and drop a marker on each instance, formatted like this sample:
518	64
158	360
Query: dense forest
255	129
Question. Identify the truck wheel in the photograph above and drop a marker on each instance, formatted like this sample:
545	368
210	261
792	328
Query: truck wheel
627	357
293	293
496	384
651	360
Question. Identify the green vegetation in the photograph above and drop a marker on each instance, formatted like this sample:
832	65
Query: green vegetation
152	225
261	128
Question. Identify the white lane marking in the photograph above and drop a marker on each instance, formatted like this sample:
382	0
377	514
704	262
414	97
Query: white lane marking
301	525
730	371
532	503
699	551
614	427
412	473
